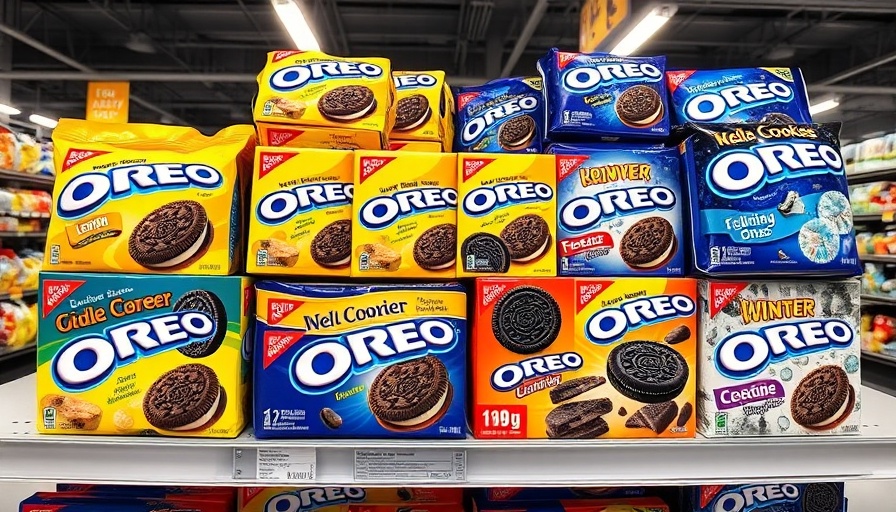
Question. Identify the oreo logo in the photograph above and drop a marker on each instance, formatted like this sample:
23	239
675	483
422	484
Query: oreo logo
583	213
712	105
751	497
476	126
310	498
422	80
587	79
745	354
383	211
483	200
509	376
296	77
278	207
610	324
87	192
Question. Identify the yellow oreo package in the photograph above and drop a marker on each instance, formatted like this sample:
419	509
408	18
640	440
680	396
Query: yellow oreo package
311	99
300	216
421	107
147	198
405	214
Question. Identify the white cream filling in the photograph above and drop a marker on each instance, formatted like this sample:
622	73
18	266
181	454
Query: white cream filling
446	265
426	416
536	253
521	142
205	418
657	261
339	263
835	417
355	115
418	123
184	256
656	115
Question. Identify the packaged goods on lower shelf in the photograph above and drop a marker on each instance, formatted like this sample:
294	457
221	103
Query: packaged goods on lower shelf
638	504
777	497
79	502
515	494
338	499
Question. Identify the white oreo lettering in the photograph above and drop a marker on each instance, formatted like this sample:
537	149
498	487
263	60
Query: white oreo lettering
414	81
712	105
585	212
382	211
587	79
740	173
509	376
296	77
485	199
475	127
610	324
314	497
750	497
278	207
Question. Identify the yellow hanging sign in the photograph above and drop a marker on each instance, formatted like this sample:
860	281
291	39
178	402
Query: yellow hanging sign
599	19
108	101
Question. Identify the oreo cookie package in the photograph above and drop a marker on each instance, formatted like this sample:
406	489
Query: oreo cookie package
501	116
770	497
747	95
604	96
769	199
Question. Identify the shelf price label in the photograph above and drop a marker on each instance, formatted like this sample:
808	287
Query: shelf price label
429	465
288	465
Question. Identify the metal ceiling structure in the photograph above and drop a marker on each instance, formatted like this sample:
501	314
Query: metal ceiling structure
194	61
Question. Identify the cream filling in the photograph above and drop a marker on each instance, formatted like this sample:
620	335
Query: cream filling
426	416
417	124
184	256
835	417
521	142
537	253
339	263
205	417
446	265
657	261
355	115
656	115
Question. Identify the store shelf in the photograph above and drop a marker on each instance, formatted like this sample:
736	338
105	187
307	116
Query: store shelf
877	258
877	300
27	456
35	180
880	358
865	218
871	176
24	215
23	234
27	350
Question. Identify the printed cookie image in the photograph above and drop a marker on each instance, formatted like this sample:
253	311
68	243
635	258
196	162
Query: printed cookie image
579	420
412	395
436	248
293	109
332	245
821	497
209	303
822	399
678	335
574	387
648	243
405	494
647	371
279	253
484	252
347	103
656	417
819	241
834	207
412	112
188	397
639	107
73	413
527	237
776	118
171	235
792	204
330	418
685	415
379	257
526	320
517	133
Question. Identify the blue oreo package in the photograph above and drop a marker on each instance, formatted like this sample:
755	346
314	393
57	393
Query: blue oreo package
619	210
502	116
769	199
383	360
772	497
598	96
746	95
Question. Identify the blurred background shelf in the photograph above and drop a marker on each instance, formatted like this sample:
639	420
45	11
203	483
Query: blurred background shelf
34	180
871	176
877	258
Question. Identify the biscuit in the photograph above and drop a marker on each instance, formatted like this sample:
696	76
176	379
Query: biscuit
347	104
648	243
484	252
683	417
526	320
574	387
279	253
776	118
188	397
679	334
647	371
171	235
527	237
330	418
822	399
579	420
411	113
405	494
517	134
332	245
209	303
73	413
436	248
639	107
822	497
379	257
656	417
411	395
293	109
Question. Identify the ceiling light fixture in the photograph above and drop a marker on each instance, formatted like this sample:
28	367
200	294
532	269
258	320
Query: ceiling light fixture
140	43
644	29
823	106
10	111
295	23
46	122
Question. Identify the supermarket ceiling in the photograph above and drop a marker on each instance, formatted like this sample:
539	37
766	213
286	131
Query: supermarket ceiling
845	47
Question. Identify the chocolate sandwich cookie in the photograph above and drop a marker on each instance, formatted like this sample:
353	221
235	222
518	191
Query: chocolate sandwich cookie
527	237
330	418
436	248
647	371
188	397
822	497
648	243
679	334
776	118
405	494
639	106
332	245
517	134
685	414
579	420
526	320
484	252
656	417
822	399
412	112
208	303
279	253
574	387
411	395
347	104
171	235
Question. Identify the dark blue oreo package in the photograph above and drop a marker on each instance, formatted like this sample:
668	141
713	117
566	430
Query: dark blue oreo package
748	95
501	116
602	97
769	199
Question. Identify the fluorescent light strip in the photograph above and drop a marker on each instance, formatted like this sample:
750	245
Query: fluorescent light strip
294	21
823	106
46	122
10	111
644	30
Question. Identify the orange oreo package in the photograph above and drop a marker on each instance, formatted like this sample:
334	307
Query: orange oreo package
584	358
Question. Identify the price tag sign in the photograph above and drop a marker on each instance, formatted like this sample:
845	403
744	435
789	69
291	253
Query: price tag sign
418	466
275	464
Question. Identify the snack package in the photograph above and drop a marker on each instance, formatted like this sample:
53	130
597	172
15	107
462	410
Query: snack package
420	107
524	494
770	497
639	504
337	499
29	153
502	116
9	149
148	198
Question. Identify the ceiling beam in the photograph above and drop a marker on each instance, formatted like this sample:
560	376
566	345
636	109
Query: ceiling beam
541	6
